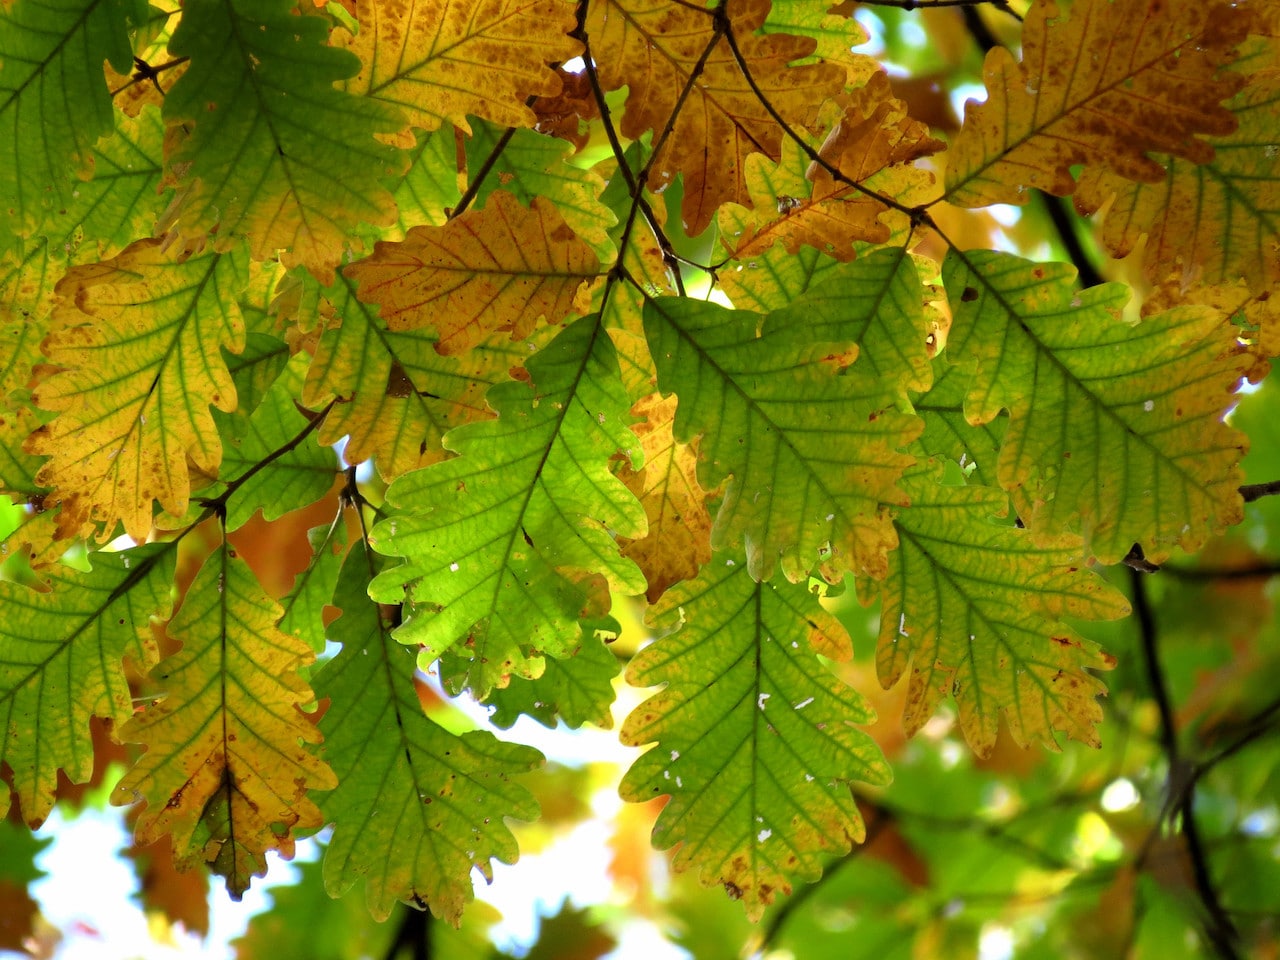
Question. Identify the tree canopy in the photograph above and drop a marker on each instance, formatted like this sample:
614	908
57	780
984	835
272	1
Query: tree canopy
897	481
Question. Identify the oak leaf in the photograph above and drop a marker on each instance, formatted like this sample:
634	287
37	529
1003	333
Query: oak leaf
976	608
679	537
417	807
258	94
754	739
1102	83
500	268
1115	431
135	342
754	395
435	59
657	49
1204	222
227	766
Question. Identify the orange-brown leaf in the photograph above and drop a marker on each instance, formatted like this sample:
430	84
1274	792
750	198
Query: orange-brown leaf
1103	84
873	144
439	60
500	268
654	47
679	538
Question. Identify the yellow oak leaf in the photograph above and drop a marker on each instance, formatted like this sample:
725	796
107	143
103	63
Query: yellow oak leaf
135	341
227	769
803	204
679	537
1204	223
654	47
439	60
502	267
1104	84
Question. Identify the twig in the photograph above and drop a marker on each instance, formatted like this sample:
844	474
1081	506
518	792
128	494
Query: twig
144	71
1062	218
473	188
1001	5
414	932
1256	491
1219	929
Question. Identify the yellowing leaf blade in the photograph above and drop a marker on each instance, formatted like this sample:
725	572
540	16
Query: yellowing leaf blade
754	740
136	341
500	268
227	766
1102	84
977	609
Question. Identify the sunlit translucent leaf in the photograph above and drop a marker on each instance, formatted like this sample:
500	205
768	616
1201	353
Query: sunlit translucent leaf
137	339
313	588
653	48
51	54
755	741
948	434
1115	431
521	521
227	767
800	203
577	690
977	610
436	59
289	480
771	279
430	186
500	268
809	453
274	152
834	35
534	165
679	537
396	395
1208	223
878	303
1101	83
417	808
61	658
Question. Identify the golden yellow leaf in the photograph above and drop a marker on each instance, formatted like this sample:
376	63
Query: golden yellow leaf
500	268
1104	84
679	537
802	204
1204	223
136	342
227	769
439	60
654	47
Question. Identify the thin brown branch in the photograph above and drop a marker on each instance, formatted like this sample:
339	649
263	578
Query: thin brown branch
916	214
1219	929
477	181
144	71
1000	5
1256	491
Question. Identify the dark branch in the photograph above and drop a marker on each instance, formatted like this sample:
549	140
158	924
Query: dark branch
413	933
1256	491
1000	5
1219	928
1063	219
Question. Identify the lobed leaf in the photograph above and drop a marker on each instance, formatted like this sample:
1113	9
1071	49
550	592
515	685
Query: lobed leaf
135	342
416	807
1102	83
52	53
62	663
435	59
977	609
227	766
1115	431
755	741
518	526
656	50
1204	222
810	449
504	267
258	95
